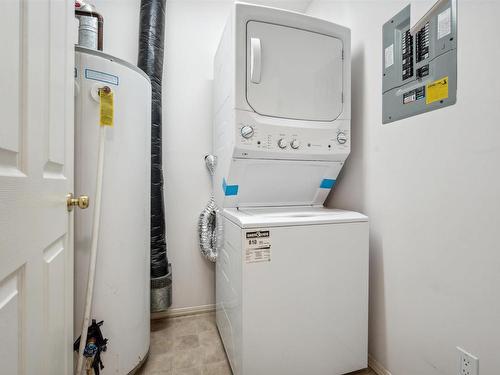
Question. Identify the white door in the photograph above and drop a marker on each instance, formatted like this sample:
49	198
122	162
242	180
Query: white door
293	73
36	173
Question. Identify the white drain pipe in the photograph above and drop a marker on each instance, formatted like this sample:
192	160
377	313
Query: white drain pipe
93	248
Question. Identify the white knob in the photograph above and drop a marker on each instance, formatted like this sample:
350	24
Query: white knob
282	143
295	144
341	138
246	131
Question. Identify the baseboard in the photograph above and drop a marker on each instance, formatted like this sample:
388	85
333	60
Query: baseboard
377	367
183	311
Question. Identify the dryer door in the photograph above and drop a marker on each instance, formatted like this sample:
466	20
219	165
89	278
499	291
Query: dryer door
293	73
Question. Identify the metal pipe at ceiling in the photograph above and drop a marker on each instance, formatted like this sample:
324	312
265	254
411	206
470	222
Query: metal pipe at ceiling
91	25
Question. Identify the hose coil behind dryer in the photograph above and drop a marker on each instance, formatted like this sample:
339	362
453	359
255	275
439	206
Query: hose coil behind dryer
209	223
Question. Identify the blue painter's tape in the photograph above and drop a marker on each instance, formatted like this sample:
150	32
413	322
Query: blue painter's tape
229	189
102	77
327	183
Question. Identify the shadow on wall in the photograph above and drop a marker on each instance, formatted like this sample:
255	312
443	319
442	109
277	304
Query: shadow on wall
376	291
350	188
350	192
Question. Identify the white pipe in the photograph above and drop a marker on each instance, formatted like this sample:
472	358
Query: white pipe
93	249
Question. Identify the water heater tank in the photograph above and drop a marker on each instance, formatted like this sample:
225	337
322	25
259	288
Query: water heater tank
121	291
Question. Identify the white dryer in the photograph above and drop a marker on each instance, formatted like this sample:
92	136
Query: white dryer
292	291
282	108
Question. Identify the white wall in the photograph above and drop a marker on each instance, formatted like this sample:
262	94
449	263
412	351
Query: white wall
293	5
192	35
121	27
431	186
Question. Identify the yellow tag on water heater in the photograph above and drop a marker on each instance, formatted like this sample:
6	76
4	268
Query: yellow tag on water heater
106	107
437	90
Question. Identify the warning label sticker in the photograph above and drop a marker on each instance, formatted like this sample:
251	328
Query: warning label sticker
437	90
389	56
257	246
444	23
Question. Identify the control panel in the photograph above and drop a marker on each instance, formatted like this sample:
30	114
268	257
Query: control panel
310	141
419	62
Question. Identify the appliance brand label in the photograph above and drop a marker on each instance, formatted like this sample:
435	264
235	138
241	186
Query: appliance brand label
257	246
258	234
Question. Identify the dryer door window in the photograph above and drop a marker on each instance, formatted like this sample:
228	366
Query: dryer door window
293	73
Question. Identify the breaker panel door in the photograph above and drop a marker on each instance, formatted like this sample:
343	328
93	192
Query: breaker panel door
293	73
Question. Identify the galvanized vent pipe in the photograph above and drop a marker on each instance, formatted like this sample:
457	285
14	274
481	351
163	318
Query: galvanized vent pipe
90	27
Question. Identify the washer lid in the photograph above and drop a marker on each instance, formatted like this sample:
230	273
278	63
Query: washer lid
287	216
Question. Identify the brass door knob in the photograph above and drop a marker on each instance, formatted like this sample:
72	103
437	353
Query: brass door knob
82	201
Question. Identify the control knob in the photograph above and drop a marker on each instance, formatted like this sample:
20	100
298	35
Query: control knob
295	144
341	138
282	143
247	131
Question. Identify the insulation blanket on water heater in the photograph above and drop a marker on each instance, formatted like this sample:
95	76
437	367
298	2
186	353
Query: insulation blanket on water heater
121	292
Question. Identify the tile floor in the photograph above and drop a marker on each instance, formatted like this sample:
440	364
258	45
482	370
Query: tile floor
189	346
186	346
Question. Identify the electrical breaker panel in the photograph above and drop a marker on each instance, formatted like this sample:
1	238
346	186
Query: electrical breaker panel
419	62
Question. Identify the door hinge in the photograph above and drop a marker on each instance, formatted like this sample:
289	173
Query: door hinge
342	98
342	54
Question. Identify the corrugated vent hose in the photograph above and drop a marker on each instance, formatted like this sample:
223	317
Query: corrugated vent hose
209	225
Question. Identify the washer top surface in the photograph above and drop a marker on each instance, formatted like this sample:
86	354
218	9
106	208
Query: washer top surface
287	216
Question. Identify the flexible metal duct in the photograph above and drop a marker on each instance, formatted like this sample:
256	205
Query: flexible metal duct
151	45
209	223
207	229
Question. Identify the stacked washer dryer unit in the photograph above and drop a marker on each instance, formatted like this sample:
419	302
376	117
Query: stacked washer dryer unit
291	275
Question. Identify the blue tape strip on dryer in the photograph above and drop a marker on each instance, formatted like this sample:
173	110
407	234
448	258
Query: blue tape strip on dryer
327	183
229	189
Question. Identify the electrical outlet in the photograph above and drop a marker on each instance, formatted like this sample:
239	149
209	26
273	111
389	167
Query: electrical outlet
468	364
